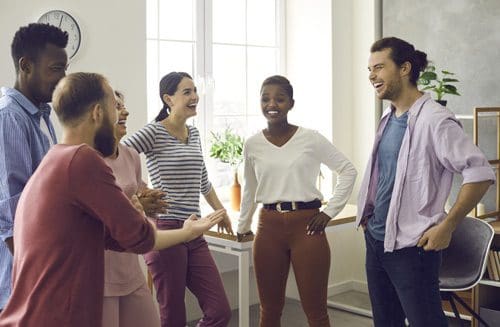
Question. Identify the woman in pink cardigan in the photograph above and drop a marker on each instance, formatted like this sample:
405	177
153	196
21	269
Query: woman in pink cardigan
127	299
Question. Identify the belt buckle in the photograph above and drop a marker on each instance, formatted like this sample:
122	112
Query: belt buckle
278	207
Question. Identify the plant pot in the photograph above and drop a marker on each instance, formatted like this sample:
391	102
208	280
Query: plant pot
442	102
235	193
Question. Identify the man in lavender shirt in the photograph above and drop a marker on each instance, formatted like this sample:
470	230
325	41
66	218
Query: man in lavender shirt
418	147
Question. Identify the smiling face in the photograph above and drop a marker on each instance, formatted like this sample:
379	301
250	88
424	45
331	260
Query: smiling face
385	75
185	99
46	71
121	125
275	103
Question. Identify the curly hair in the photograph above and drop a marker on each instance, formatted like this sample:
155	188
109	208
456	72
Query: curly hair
30	40
281	81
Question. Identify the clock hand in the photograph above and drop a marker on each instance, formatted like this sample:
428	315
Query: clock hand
60	21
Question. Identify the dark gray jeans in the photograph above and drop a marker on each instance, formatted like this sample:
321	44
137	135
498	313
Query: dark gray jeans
403	284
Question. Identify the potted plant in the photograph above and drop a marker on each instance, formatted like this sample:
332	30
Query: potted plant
227	147
441	85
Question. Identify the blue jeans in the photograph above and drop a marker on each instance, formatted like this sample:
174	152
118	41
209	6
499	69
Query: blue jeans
403	284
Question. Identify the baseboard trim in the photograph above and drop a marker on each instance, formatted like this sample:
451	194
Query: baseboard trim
349	308
348	285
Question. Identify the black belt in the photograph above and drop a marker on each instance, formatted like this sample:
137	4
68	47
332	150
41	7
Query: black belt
292	206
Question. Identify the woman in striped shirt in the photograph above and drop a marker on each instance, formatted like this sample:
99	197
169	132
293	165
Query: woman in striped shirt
175	164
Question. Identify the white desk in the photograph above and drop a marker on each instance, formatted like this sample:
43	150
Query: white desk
228	244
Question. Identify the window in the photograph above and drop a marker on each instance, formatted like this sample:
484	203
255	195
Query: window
228	46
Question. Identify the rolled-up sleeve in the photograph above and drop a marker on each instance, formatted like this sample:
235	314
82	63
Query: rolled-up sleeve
15	169
457	153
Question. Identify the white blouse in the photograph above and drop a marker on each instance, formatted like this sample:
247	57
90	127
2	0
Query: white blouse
289	173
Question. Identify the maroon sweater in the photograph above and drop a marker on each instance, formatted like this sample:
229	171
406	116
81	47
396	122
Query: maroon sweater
69	212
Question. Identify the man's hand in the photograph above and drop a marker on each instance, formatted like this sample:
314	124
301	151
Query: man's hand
10	244
137	204
318	224
152	201
196	226
436	238
225	225
364	223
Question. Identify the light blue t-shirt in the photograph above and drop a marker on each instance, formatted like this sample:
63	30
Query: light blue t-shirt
387	158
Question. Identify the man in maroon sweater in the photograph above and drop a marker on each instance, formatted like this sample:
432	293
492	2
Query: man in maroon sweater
71	210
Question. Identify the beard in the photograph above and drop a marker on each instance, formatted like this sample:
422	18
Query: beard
392	91
104	139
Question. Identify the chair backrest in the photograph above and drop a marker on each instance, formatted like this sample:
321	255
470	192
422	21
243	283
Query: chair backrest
464	261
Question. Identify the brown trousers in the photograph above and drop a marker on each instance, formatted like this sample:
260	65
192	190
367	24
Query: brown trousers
280	240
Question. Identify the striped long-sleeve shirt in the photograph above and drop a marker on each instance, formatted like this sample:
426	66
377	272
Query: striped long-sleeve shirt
174	167
23	144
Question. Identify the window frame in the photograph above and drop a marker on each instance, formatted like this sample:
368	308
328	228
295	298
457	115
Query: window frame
202	63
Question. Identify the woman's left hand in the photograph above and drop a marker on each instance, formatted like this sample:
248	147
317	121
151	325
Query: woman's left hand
318	224
225	225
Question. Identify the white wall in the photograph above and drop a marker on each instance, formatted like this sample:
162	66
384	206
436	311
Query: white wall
327	52
113	43
364	107
308	62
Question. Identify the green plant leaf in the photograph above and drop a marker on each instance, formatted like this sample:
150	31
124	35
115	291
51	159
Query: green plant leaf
437	83
429	76
449	88
227	147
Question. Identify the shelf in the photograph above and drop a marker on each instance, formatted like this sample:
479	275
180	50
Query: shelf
490	282
451	314
496	226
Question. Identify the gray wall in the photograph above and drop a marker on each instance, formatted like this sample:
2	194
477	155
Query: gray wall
462	36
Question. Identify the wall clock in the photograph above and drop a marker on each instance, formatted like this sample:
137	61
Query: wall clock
67	23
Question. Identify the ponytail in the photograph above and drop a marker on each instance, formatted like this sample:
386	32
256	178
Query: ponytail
420	63
164	112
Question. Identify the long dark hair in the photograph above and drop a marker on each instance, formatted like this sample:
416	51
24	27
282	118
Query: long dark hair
168	85
402	51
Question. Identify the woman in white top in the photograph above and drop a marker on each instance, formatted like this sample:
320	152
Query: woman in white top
281	168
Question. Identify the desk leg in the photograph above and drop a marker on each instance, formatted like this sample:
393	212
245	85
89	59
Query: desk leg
244	289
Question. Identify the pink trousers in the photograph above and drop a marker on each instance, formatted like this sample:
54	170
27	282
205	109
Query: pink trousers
187	265
132	310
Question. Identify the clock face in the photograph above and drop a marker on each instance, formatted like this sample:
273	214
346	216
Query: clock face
67	23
